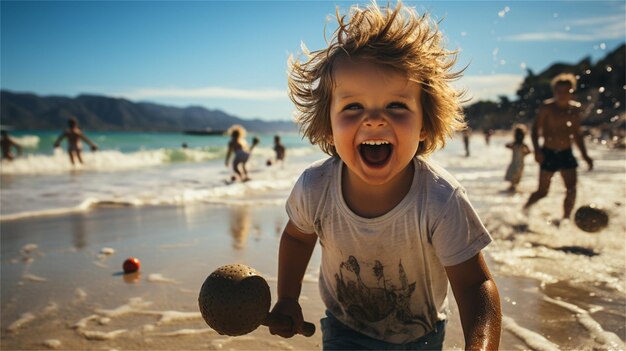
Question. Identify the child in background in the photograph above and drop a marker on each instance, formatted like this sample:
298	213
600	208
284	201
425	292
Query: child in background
8	144
520	150
279	149
74	136
395	229
238	146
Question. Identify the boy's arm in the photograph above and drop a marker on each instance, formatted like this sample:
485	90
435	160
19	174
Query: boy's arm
88	141
255	142
59	139
477	296
294	253
534	133
17	146
580	143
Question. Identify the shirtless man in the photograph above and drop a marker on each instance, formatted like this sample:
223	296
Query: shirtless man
7	144
558	121
74	135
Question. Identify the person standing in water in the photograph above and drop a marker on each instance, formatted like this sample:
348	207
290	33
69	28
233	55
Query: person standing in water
467	132
520	150
238	146
74	145
558	121
279	148
7	143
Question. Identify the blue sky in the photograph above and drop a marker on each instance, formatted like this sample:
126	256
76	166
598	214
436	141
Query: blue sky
233	55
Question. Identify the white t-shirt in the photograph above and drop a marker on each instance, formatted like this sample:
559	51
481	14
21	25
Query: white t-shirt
385	276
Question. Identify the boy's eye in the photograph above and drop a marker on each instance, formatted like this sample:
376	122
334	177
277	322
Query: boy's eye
353	106
399	105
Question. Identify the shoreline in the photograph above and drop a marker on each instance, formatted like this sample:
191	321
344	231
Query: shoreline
59	284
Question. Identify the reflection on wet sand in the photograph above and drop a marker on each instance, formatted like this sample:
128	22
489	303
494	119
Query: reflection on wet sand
79	234
240	226
279	225
132	278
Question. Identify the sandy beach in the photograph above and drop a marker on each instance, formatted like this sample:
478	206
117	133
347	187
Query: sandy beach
62	285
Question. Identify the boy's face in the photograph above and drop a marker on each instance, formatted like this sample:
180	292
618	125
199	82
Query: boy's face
562	93
376	119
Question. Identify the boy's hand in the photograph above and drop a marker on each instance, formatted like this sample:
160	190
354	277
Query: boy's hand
290	308
589	162
94	147
538	156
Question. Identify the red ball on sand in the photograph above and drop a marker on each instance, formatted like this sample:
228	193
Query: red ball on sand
131	265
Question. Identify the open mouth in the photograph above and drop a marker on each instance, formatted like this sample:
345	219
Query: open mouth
375	153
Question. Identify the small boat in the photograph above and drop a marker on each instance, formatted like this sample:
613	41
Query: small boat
207	131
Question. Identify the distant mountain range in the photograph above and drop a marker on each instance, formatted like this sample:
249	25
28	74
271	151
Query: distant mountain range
600	90
25	111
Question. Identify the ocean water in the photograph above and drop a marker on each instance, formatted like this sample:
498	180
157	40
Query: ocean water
152	169
139	169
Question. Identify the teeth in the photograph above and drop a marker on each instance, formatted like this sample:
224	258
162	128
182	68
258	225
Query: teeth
375	142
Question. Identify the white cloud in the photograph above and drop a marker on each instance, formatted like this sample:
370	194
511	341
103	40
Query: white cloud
203	93
589	29
550	36
489	87
592	21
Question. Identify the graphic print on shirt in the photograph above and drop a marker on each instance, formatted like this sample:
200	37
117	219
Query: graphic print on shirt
373	304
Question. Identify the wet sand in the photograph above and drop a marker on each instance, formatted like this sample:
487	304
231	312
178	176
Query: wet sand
62	287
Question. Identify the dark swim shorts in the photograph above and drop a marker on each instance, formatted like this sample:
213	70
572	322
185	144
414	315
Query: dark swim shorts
557	160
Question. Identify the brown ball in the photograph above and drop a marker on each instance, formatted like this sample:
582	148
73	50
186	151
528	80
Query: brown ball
234	300
591	218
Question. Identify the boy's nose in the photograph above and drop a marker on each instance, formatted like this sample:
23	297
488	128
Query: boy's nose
374	119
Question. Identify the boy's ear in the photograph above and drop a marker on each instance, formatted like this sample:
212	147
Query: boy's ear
422	135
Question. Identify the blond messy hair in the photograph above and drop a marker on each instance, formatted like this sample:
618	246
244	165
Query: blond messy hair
239	131
564	78
397	38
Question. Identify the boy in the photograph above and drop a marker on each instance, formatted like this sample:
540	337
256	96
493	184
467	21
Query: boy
238	146
558	121
394	228
74	135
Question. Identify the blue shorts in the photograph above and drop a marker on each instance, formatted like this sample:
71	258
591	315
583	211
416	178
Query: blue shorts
337	336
